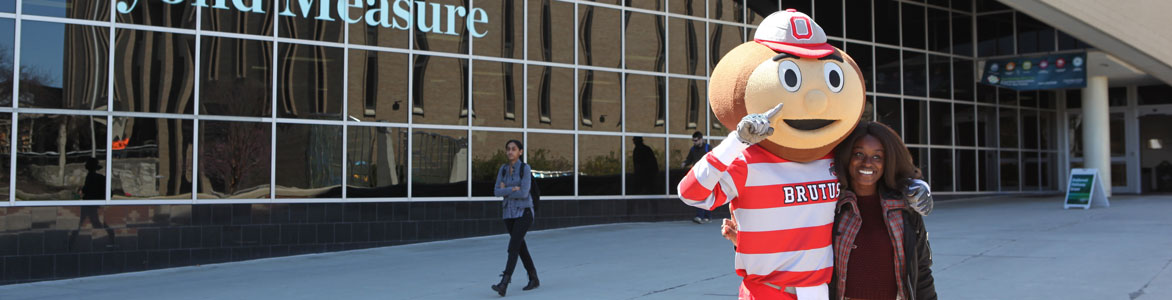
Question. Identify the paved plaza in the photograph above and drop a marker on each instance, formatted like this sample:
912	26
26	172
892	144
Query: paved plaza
988	248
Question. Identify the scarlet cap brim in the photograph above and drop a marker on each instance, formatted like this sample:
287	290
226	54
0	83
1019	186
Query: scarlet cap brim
800	50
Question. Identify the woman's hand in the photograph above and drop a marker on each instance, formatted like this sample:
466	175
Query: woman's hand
516	188
502	185
728	229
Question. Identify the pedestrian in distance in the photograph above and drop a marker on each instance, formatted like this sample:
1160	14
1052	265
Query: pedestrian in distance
695	154
513	181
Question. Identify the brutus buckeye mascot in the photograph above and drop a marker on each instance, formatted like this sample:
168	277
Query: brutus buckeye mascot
776	169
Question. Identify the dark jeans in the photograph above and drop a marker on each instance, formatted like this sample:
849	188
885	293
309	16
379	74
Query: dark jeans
703	213
517	228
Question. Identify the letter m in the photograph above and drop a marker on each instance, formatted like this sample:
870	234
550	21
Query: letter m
323	9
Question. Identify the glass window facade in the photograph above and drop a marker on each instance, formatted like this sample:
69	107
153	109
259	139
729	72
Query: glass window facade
265	102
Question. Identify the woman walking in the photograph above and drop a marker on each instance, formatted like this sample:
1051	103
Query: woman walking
512	183
881	247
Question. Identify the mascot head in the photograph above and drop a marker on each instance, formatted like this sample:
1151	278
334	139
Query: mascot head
790	62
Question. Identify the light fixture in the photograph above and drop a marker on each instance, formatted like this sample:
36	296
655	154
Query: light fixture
1155	144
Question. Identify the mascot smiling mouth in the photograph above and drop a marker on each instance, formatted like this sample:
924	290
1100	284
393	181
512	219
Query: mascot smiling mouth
809	124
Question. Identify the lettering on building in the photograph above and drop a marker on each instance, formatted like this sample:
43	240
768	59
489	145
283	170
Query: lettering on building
428	17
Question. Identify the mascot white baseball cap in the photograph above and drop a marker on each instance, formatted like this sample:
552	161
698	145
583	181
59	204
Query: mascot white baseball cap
793	32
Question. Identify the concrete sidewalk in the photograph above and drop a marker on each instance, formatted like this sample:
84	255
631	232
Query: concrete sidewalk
1002	248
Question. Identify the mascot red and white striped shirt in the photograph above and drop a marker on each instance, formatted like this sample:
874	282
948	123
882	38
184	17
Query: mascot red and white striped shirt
783	209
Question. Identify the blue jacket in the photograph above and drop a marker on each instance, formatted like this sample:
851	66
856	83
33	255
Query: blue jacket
515	202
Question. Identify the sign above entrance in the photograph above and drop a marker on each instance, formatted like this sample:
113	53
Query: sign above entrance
1057	71
1085	189
429	17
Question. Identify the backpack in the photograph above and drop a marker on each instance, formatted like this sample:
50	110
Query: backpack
534	191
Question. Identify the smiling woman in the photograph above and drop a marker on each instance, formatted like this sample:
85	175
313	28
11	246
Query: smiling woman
377	15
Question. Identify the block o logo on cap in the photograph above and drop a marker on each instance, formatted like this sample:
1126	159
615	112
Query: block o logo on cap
801	27
793	32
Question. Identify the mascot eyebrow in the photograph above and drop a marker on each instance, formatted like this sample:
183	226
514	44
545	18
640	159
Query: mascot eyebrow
832	56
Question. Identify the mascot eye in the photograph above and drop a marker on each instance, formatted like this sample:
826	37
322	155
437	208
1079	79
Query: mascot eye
790	75
833	74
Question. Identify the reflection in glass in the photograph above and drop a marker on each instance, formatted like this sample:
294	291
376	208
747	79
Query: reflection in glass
1033	35
1008	126
236	77
234	160
496	97
5	154
255	18
1007	96
1029	169
887	74
915	71
504	33
645	42
63	66
716	128
920	159
688	46
941	123
1010	173
599	36
726	10
688	103
601	102
378	86
939	76
995	35
648	4
1029	129
889	112
987	170
551	31
439	163
693	8
722	39
7	41
309	161
1049	139
551	97
645	157
962	72
886	14
962	35
376	158
829	15
158	13
915	121
151	158
938	30
599	165
678	164
986	126
858	22
154	72
8	6
645	103
965	121
966	168
307	81
440	90
912	17
362	33
51	154
303	22
434	33
98	10
488	155
552	158
862	56
942	164
986	93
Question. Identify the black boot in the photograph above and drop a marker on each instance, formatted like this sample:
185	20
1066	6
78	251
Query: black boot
500	287
533	282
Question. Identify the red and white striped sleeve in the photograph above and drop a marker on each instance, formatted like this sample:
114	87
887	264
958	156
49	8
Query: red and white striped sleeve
710	184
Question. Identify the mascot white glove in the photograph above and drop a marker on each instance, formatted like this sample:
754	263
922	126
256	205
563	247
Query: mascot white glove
755	128
919	196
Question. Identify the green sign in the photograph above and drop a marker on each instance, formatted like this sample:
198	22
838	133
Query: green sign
1079	192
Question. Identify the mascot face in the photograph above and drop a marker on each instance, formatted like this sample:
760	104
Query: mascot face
789	62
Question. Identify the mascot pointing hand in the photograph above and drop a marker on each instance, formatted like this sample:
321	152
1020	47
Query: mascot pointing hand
792	98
